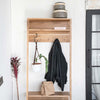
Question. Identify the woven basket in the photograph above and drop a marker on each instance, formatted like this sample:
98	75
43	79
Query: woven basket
59	6
60	14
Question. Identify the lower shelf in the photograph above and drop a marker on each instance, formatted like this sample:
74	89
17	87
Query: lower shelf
56	96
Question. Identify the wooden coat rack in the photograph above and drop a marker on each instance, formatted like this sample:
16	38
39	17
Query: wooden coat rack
44	27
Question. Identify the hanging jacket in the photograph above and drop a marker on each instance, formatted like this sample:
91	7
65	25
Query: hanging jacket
57	67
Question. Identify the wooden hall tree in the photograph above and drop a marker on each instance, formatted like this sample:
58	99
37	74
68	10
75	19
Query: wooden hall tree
44	28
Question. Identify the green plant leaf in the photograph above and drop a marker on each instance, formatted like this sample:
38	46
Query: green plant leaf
46	61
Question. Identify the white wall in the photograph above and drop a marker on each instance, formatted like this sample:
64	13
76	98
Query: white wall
92	4
5	50
21	10
78	46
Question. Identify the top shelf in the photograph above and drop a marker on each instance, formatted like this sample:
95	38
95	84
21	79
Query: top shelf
45	28
49	19
48	23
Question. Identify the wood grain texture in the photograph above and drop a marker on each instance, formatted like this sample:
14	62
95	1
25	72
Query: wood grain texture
48	25
44	27
49	37
27	63
48	31
47	19
70	60
57	96
46	98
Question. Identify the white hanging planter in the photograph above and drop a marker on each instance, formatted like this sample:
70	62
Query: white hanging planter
36	67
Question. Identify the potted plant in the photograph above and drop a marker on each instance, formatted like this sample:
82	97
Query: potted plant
37	63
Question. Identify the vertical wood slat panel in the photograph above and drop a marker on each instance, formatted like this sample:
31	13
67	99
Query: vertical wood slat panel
27	62
71	60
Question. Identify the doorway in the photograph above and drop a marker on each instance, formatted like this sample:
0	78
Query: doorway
93	54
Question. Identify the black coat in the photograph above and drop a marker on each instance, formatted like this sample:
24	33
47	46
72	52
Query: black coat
57	67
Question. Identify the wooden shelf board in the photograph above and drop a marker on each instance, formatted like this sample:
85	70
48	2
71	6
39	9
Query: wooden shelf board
47	98
48	30
57	94
53	19
49	37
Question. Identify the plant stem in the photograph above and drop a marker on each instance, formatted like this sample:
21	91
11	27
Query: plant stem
46	61
17	89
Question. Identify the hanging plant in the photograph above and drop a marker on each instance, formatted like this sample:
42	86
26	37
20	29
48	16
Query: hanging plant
36	65
40	56
15	63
